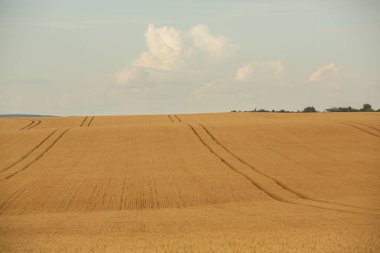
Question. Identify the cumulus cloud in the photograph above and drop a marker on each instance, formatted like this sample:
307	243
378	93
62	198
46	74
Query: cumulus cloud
244	73
134	77
268	69
169	49
164	47
216	46
324	72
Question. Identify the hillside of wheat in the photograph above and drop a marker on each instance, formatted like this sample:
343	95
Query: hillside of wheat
223	182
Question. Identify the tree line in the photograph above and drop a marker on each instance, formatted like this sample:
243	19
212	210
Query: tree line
365	108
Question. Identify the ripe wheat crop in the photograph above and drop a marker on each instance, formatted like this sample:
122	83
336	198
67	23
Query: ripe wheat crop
227	182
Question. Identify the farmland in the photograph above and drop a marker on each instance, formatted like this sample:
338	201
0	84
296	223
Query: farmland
223	182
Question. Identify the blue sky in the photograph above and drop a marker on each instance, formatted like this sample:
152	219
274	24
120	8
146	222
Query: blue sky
149	57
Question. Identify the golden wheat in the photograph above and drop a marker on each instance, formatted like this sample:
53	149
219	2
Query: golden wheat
228	182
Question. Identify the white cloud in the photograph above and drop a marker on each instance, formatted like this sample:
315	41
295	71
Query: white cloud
169	50
324	72
135	77
216	46
266	70
164	47
244	73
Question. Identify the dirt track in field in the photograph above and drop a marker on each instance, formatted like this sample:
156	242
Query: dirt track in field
227	182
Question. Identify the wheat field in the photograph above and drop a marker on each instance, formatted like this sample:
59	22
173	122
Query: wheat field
223	182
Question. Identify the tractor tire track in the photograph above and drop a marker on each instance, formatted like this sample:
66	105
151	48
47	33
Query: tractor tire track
373	128
84	120
298	194
178	118
170	119
124	188
74	193
282	185
31	151
269	116
15	195
155	195
38	157
344	205
258	185
30	124
233	168
361	129
89	123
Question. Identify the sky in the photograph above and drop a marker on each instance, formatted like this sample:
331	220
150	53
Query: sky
89	57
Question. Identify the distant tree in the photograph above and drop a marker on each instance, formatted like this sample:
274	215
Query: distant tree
332	109
309	109
342	109
366	108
